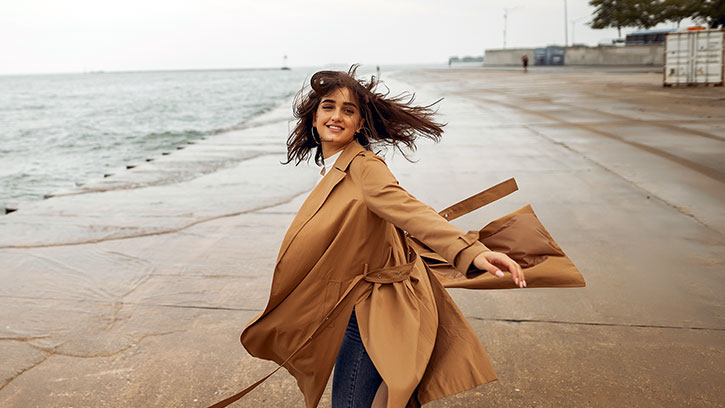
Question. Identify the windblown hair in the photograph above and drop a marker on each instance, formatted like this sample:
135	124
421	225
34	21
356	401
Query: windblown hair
388	120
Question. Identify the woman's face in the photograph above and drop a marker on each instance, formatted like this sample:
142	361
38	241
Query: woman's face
337	119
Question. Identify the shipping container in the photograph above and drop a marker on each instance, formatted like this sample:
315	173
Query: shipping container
694	57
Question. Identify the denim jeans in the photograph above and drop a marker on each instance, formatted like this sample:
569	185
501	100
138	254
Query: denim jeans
355	380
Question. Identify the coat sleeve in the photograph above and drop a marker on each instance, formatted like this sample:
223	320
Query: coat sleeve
387	199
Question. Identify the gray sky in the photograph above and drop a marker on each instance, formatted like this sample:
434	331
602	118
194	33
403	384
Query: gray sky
83	35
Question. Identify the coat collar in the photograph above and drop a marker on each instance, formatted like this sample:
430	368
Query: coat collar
349	152
320	193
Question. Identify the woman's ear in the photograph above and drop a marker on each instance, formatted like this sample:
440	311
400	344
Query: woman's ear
314	119
362	122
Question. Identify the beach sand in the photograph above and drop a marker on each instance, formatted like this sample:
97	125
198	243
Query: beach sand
133	290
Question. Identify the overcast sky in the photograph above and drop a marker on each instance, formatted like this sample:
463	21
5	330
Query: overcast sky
86	35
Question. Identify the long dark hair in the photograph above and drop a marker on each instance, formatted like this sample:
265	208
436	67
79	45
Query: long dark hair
388	120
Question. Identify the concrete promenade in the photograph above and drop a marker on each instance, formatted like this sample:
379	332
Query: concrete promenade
133	291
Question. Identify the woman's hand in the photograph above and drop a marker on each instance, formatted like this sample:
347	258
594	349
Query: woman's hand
493	262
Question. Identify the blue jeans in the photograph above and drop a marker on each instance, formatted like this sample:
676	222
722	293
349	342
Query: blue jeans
355	380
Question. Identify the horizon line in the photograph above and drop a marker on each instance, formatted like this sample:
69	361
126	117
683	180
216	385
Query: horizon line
267	68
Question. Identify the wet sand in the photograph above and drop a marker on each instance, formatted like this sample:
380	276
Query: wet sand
133	290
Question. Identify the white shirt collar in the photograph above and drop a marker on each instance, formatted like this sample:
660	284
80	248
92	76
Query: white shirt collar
329	162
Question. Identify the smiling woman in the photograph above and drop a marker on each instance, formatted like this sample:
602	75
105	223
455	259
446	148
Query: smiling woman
348	289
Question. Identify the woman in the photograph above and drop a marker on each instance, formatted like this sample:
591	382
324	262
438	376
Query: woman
347	289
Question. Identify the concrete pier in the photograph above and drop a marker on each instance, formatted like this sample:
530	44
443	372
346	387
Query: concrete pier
132	291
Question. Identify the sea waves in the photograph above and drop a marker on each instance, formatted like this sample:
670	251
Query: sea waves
62	130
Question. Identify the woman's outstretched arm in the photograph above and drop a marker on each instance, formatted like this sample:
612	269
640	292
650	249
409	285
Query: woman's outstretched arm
387	199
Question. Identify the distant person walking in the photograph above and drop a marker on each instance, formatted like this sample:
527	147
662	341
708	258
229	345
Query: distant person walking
525	62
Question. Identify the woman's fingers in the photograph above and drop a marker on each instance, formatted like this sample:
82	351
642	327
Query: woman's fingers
488	266
521	273
516	271
517	274
493	262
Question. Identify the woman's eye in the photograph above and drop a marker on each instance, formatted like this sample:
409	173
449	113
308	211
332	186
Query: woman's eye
349	111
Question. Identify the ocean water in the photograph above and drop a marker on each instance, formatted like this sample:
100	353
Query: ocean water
58	131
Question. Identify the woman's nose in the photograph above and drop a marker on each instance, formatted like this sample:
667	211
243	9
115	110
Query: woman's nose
335	114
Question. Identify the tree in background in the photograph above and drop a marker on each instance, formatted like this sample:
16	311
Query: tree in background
712	11
646	13
677	10
649	13
612	13
624	13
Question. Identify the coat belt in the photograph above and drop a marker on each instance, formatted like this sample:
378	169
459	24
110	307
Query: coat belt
390	274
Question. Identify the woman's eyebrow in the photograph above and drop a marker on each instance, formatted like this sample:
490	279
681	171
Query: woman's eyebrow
334	101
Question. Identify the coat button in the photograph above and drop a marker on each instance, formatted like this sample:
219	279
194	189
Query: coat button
380	276
398	272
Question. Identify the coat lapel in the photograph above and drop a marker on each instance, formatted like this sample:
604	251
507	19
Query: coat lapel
319	194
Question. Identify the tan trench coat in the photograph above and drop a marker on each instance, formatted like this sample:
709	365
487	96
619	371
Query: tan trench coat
345	248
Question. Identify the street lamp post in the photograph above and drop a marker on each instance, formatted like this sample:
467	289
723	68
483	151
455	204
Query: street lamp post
566	26
506	11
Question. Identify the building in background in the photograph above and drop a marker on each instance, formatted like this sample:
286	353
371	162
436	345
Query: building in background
648	37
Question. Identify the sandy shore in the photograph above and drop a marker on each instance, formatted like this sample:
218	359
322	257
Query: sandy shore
133	291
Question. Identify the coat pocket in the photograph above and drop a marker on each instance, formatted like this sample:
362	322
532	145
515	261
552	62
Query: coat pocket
333	291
